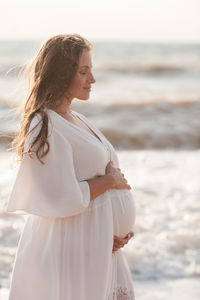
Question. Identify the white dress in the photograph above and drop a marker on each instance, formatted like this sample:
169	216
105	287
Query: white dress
65	249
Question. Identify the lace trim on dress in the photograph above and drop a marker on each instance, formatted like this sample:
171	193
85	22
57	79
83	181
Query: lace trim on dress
121	293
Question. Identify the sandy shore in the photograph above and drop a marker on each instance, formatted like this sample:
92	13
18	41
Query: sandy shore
165	289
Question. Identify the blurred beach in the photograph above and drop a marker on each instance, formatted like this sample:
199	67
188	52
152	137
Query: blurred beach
146	101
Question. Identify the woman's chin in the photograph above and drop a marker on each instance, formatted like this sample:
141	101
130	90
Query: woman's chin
84	97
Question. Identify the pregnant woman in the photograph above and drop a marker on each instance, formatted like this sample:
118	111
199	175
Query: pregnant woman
79	205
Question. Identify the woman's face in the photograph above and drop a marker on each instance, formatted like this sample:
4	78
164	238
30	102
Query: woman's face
81	84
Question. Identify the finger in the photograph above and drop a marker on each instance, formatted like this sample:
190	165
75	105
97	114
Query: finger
114	249
129	233
128	236
119	240
120	243
127	185
116	244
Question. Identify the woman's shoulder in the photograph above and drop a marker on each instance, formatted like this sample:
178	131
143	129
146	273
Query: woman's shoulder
55	132
55	121
35	121
36	125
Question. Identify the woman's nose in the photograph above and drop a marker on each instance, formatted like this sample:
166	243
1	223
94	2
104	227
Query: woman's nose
92	79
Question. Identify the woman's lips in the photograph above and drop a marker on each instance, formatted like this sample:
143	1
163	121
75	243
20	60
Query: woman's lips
87	89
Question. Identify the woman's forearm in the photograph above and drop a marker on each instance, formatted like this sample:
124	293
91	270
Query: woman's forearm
99	185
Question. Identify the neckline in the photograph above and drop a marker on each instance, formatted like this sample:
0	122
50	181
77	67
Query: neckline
78	127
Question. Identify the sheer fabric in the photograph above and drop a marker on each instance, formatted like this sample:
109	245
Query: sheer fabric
65	249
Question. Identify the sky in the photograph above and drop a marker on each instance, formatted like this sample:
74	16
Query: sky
102	20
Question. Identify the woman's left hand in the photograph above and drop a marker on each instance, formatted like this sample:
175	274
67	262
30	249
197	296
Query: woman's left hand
120	242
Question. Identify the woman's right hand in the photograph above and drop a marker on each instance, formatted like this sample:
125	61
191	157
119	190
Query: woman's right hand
119	182
119	242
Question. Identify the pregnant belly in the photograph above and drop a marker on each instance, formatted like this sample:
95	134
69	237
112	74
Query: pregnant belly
124	211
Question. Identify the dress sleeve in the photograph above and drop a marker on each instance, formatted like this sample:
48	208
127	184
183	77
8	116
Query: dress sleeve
50	189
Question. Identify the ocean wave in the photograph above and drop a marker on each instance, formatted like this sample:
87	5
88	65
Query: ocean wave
143	68
160	125
10	70
148	68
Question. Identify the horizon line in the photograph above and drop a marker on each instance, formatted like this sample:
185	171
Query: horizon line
106	40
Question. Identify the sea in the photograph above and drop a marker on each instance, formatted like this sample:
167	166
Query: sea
146	101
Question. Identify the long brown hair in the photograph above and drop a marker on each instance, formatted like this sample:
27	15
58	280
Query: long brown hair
50	74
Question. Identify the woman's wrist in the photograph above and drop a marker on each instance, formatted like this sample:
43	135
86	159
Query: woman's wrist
110	180
100	185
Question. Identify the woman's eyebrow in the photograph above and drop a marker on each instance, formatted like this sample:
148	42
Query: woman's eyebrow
84	67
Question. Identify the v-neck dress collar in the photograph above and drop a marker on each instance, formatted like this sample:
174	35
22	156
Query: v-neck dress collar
84	120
